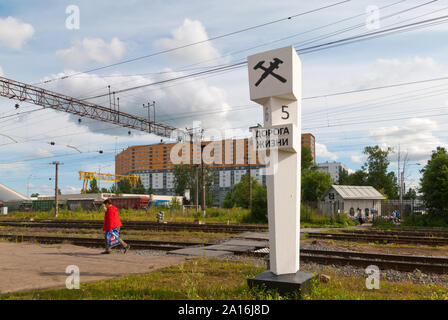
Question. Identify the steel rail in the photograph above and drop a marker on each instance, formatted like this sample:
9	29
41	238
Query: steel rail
134	225
418	233
405	263
379	238
98	242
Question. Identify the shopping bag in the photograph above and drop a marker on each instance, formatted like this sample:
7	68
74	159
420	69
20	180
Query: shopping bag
112	238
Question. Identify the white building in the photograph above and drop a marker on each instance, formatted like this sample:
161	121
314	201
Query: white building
7	194
349	198
332	168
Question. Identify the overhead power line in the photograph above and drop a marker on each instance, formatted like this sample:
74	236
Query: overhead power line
349	40
199	42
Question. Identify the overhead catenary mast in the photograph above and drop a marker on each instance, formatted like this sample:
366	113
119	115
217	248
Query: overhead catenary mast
48	99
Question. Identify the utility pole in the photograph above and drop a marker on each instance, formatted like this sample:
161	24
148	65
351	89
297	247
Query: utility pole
149	113
399	172
204	205
56	193
248	163
118	115
250	184
196	167
110	102
154	108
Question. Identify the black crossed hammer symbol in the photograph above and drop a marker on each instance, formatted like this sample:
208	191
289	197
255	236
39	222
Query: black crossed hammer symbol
269	70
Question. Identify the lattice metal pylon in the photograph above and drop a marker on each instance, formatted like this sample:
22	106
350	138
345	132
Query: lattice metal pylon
48	99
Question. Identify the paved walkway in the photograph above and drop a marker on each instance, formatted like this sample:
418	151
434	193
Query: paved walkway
244	242
26	266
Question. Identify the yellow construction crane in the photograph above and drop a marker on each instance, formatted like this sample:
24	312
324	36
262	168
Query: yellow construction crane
87	176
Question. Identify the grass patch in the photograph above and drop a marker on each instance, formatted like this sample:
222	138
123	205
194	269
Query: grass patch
427	220
382	223
354	288
225	280
213	215
180	236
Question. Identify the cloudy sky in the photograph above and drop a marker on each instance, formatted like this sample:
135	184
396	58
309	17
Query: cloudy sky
38	45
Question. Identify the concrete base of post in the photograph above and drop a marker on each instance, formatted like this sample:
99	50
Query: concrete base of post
300	282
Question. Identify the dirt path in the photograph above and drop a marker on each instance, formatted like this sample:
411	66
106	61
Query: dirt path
25	266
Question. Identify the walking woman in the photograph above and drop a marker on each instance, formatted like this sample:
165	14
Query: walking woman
112	222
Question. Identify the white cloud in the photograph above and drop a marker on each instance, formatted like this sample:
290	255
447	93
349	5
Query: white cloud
12	169
14	33
399	70
415	137
358	158
177	105
41	153
322	152
92	49
191	31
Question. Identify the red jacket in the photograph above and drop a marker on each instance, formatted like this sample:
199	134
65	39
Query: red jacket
111	219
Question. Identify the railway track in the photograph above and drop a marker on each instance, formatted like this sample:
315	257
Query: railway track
95	242
380	238
405	263
383	261
135	225
416	233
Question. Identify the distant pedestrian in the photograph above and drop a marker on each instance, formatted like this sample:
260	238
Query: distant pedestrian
360	216
397	215
112	222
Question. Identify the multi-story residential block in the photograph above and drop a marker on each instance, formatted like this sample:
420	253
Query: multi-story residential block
231	159
309	141
333	168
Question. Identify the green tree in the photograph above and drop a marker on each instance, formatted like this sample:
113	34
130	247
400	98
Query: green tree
343	177
238	196
259	211
376	167
185	178
410	195
434	183
93	187
139	187
114	189
307	158
104	190
149	191
34	195
374	172
123	186
314	184
358	178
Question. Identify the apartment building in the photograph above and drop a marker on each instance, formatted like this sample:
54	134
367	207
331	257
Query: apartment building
231	159
333	168
309	141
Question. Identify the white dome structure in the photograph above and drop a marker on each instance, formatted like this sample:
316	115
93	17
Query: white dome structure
7	194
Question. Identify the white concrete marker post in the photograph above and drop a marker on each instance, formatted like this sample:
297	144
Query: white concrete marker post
275	82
